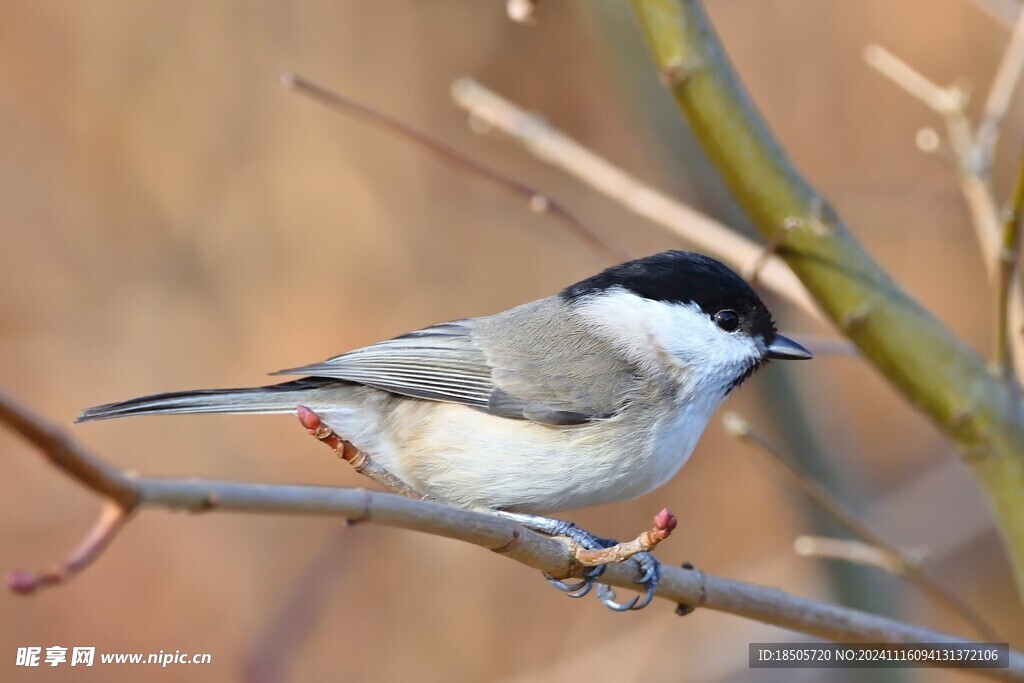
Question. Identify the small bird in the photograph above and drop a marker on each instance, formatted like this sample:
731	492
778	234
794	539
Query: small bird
595	395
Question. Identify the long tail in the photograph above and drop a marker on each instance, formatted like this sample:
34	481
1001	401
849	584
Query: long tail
276	398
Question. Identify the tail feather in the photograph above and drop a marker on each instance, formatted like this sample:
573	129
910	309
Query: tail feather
276	398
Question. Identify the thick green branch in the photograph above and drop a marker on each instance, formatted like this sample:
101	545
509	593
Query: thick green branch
920	357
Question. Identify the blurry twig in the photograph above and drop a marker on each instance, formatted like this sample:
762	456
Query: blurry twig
521	11
113	516
269	658
1003	11
856	552
555	147
1000	94
973	151
874	550
550	555
536	200
1009	249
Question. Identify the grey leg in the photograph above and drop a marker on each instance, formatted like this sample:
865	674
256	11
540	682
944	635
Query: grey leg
649	567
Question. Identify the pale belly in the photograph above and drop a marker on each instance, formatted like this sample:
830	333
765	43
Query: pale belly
473	459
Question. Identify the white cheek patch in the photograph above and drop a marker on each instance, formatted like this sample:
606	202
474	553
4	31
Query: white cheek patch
653	332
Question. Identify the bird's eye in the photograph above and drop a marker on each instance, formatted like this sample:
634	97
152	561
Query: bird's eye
728	320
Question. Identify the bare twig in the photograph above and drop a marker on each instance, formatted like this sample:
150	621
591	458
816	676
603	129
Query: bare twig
550	555
973	153
1003	11
112	519
942	100
664	523
873	550
1000	94
740	429
1008	255
536	200
555	147
847	550
281	641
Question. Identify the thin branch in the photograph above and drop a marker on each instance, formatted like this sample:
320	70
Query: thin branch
1003	11
553	146
66	454
551	555
874	549
536	200
112	519
1008	255
282	640
740	429
1000	94
943	101
972	154
853	551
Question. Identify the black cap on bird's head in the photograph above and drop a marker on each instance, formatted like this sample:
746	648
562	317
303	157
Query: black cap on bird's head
686	277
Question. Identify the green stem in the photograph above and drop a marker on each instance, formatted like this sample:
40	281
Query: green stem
933	369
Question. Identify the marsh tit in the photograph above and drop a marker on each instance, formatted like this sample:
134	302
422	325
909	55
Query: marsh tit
594	395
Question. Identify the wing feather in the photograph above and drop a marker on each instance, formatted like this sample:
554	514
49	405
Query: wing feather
440	363
562	376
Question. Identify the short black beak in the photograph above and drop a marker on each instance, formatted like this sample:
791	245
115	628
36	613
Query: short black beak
783	348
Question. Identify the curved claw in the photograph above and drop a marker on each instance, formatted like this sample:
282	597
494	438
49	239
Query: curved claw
580	588
566	587
587	587
651	567
607	597
648	596
649	579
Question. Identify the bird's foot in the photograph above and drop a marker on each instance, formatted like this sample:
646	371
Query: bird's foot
598	553
650	574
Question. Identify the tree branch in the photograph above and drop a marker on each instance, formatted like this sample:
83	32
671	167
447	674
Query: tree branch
1000	94
1009	248
1003	11
536	200
972	154
695	228
551	555
873	549
933	369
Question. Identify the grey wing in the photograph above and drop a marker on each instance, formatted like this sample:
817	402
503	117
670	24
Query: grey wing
466	362
439	363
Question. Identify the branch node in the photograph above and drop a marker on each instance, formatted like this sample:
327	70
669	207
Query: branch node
676	73
852	321
516	539
682	608
961	418
209	502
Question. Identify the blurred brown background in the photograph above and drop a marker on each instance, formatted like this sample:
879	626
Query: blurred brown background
171	218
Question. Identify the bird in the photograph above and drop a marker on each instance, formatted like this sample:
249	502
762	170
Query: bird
595	395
